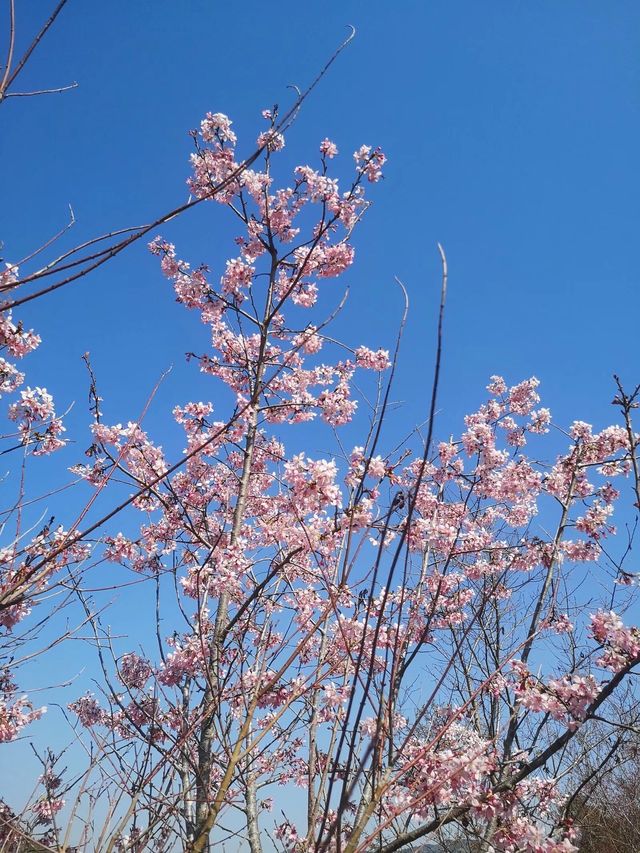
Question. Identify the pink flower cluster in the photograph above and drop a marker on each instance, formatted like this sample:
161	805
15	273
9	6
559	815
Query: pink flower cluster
34	412
37	422
237	279
287	834
370	162
46	809
14	338
371	360
88	710
621	644
185	660
566	699
16	712
312	483
134	671
328	149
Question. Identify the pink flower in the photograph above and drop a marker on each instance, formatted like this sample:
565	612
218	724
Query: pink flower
119	549
238	276
595	521
18	341
134	671
216	127
497	386
540	420
328	149
37	421
88	710
325	261
581	431
10	377
621	644
370	162
287	833
271	140
371	360
8	276
46	810
310	341
35	404
312	482
334	695
15	713
523	397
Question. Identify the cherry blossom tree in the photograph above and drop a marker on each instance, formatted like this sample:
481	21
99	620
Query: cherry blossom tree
354	650
388	631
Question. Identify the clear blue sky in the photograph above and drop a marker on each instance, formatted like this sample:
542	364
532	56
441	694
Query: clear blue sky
512	131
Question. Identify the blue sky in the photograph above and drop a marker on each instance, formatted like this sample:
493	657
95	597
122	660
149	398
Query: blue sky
512	131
